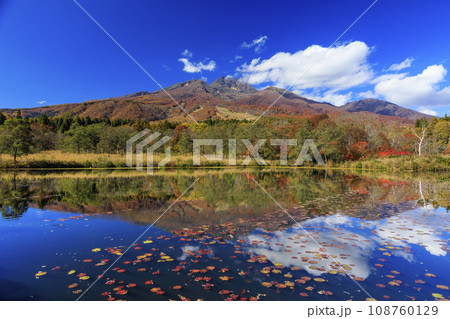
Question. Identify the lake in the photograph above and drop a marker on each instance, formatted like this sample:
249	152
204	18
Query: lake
285	234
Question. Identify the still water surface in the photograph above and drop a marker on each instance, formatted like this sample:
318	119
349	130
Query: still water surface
354	236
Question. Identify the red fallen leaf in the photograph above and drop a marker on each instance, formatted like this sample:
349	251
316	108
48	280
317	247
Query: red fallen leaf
208	286
304	294
111	282
155	272
379	265
56	268
160	292
386	297
106	293
87	260
177	287
141	269
224	292
149	282
76	292
131	285
121	282
328	293
243	299
111	299
81	274
224	269
380	285
104	260
127	262
121	270
306	278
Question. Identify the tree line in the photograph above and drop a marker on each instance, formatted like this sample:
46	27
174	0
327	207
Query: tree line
338	141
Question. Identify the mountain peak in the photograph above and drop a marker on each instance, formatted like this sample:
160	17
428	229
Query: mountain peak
226	84
382	107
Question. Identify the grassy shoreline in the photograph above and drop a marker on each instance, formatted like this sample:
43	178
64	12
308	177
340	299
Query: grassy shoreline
58	160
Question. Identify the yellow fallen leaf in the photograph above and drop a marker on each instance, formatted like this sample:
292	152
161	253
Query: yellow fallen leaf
84	278
438	296
71	272
40	273
319	279
148	241
95	250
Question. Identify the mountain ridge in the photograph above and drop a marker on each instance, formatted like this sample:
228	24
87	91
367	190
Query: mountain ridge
207	100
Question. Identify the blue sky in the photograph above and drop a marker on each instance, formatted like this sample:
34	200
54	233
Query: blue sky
52	53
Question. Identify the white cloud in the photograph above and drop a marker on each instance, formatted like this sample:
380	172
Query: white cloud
327	75
236	57
368	95
194	67
330	97
339	68
428	111
403	65
42	102
187	54
257	44
419	90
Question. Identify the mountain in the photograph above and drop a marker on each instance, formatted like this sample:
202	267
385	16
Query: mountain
384	108
225	98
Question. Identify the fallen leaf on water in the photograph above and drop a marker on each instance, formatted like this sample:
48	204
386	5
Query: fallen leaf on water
95	250
319	279
442	287
40	273
72	286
